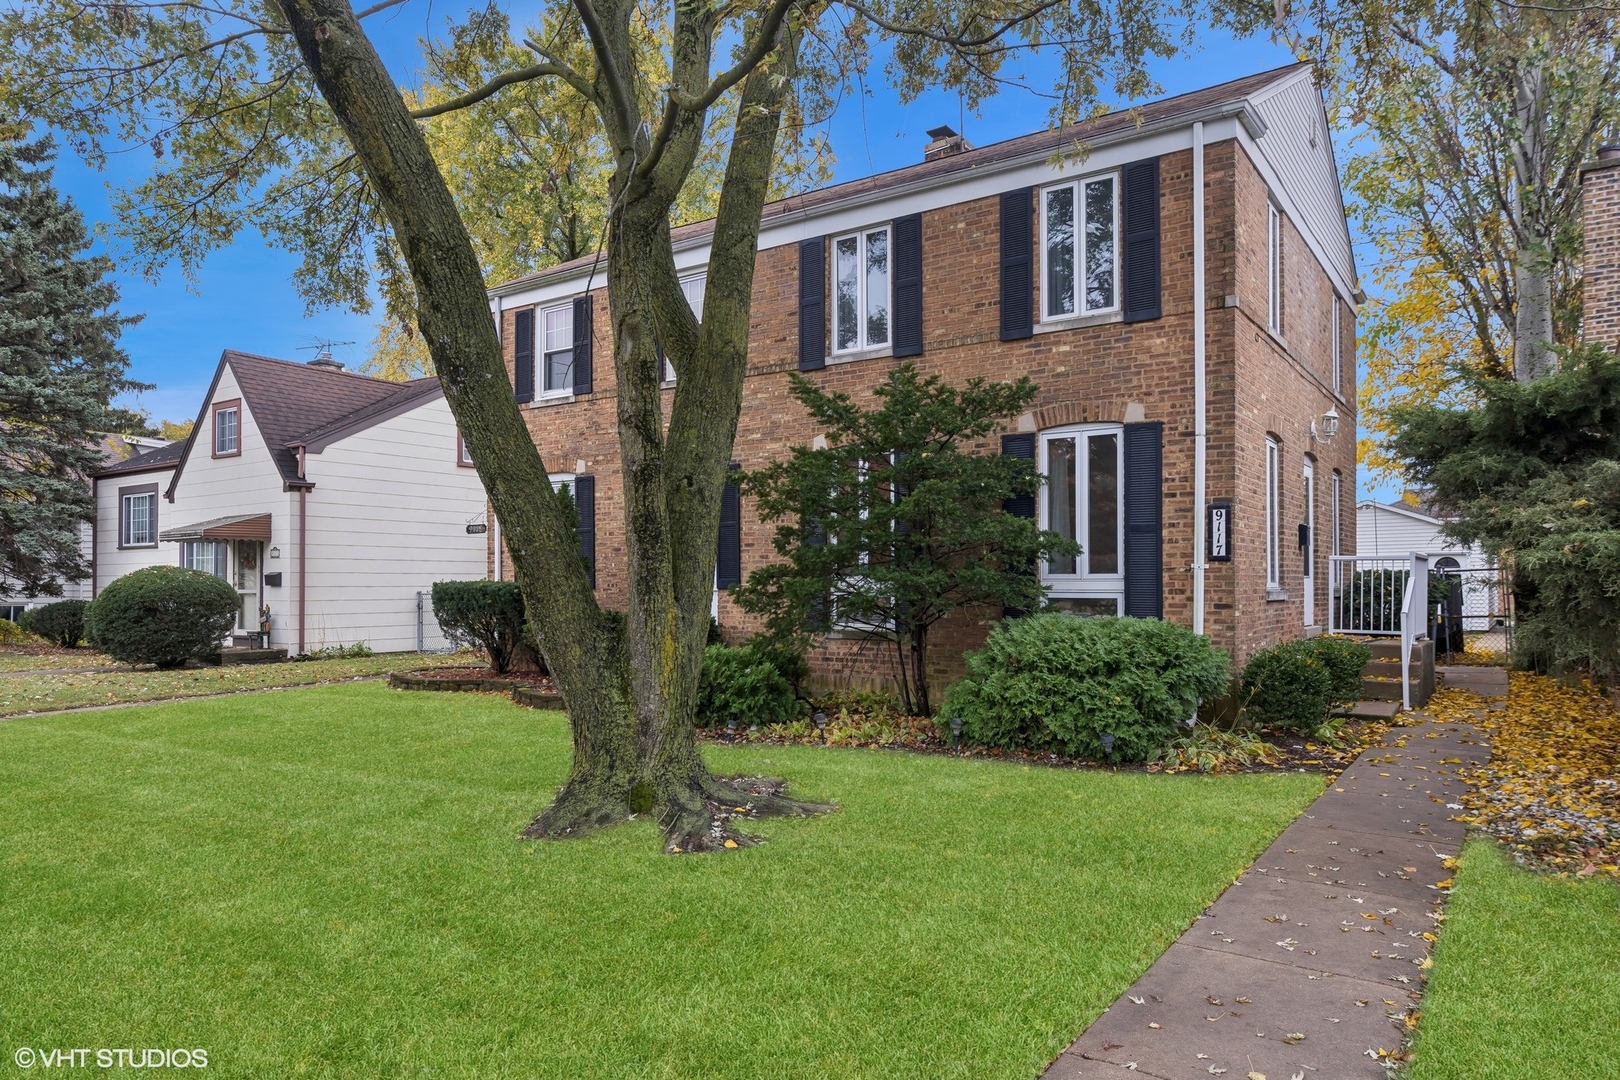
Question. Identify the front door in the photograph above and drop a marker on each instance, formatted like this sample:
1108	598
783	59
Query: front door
1307	543
246	583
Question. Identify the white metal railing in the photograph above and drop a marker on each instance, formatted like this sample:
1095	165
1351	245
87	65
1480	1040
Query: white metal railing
1381	597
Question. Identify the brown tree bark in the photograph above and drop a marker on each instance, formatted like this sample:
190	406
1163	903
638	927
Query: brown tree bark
629	679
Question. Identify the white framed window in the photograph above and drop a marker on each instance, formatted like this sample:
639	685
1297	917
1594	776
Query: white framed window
136	519
1338	348
209	556
1080	248
692	288
1273	514
1083	465
1335	490
1274	278
861	290
557	351
227	431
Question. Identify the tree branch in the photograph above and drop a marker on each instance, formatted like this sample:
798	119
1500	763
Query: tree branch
490	89
946	39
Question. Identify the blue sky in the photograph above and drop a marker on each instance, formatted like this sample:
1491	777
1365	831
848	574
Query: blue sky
243	297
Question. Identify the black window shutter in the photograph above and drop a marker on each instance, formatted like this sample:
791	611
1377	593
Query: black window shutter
582	344
1018	264
728	565
1019	446
585	503
1140	217
523	355
1144	520
908	274
812	304
818	613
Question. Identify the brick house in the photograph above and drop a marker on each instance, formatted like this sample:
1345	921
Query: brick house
1193	355
1600	254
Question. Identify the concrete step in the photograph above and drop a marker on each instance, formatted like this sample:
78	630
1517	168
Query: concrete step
1371	710
1383	689
1382	668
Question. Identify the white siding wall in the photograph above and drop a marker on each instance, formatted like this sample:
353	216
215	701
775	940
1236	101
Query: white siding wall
1385	533
387	518
112	563
248	483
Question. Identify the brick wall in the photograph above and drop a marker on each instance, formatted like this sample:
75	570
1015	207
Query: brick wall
1087	373
1600	223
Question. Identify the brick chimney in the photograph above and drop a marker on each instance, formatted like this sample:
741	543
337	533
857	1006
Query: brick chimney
946	143
1600	223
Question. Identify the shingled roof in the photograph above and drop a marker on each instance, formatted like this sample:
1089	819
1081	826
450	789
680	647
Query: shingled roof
1036	144
162	457
314	405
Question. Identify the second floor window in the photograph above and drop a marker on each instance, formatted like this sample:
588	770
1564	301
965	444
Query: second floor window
137	519
227	431
1338	349
557	342
1079	223
692	288
1274	269
861	289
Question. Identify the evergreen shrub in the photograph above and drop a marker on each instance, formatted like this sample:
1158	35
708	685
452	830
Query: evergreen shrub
163	615
1058	682
748	684
1295	684
61	623
487	615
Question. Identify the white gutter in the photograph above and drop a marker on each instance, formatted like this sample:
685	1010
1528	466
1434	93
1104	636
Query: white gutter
1200	433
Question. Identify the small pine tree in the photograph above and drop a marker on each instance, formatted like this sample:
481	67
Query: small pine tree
60	368
897	522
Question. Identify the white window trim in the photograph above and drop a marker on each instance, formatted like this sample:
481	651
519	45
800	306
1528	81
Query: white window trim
124	502
697	312
1338	347
1273	516
543	364
558	479
235	413
1080	312
1336	485
861	349
1083	584
1274	312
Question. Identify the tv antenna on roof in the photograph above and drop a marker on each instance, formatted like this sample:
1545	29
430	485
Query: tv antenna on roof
323	352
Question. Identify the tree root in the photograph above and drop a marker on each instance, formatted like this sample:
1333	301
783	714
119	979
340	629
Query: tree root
706	820
577	811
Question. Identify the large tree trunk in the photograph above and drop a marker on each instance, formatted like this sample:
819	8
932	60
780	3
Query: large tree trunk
1533	354
629	680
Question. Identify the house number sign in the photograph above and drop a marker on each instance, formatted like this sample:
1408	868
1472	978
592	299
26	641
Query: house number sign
1220	531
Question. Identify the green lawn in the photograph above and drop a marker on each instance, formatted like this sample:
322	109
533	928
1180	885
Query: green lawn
21	694
326	882
1526	980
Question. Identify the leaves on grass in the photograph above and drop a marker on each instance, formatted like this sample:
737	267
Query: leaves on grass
1551	791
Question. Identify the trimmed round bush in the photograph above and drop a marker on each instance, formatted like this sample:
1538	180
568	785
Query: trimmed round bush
746	684
488	615
1295	684
61	623
1058	682
163	615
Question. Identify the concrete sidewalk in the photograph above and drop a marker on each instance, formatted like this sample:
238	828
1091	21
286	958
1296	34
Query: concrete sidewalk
1312	958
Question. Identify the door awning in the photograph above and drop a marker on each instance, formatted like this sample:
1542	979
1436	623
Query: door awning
235	527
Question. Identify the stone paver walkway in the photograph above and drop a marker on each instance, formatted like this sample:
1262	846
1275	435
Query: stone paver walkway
1312	958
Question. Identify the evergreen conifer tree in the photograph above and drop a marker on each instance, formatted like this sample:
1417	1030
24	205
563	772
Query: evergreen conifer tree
60	368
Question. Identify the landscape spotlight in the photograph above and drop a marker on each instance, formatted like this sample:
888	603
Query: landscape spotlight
821	724
731	730
956	733
1108	746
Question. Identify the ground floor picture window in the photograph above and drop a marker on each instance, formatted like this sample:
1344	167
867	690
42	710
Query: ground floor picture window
209	556
1081	502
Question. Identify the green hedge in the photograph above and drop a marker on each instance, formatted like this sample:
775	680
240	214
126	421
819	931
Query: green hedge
61	623
1296	684
163	615
487	615
749	684
1057	682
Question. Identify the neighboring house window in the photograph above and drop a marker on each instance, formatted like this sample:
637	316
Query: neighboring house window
227	429
861	290
1081	502
1336	490
1079	224
209	556
463	455
1274	296
557	330
137	519
1273	515
1338	350
692	288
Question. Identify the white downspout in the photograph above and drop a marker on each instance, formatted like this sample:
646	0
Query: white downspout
1200	431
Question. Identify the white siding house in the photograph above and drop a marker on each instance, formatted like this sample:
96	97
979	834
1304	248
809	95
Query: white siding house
1395	530
329	500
